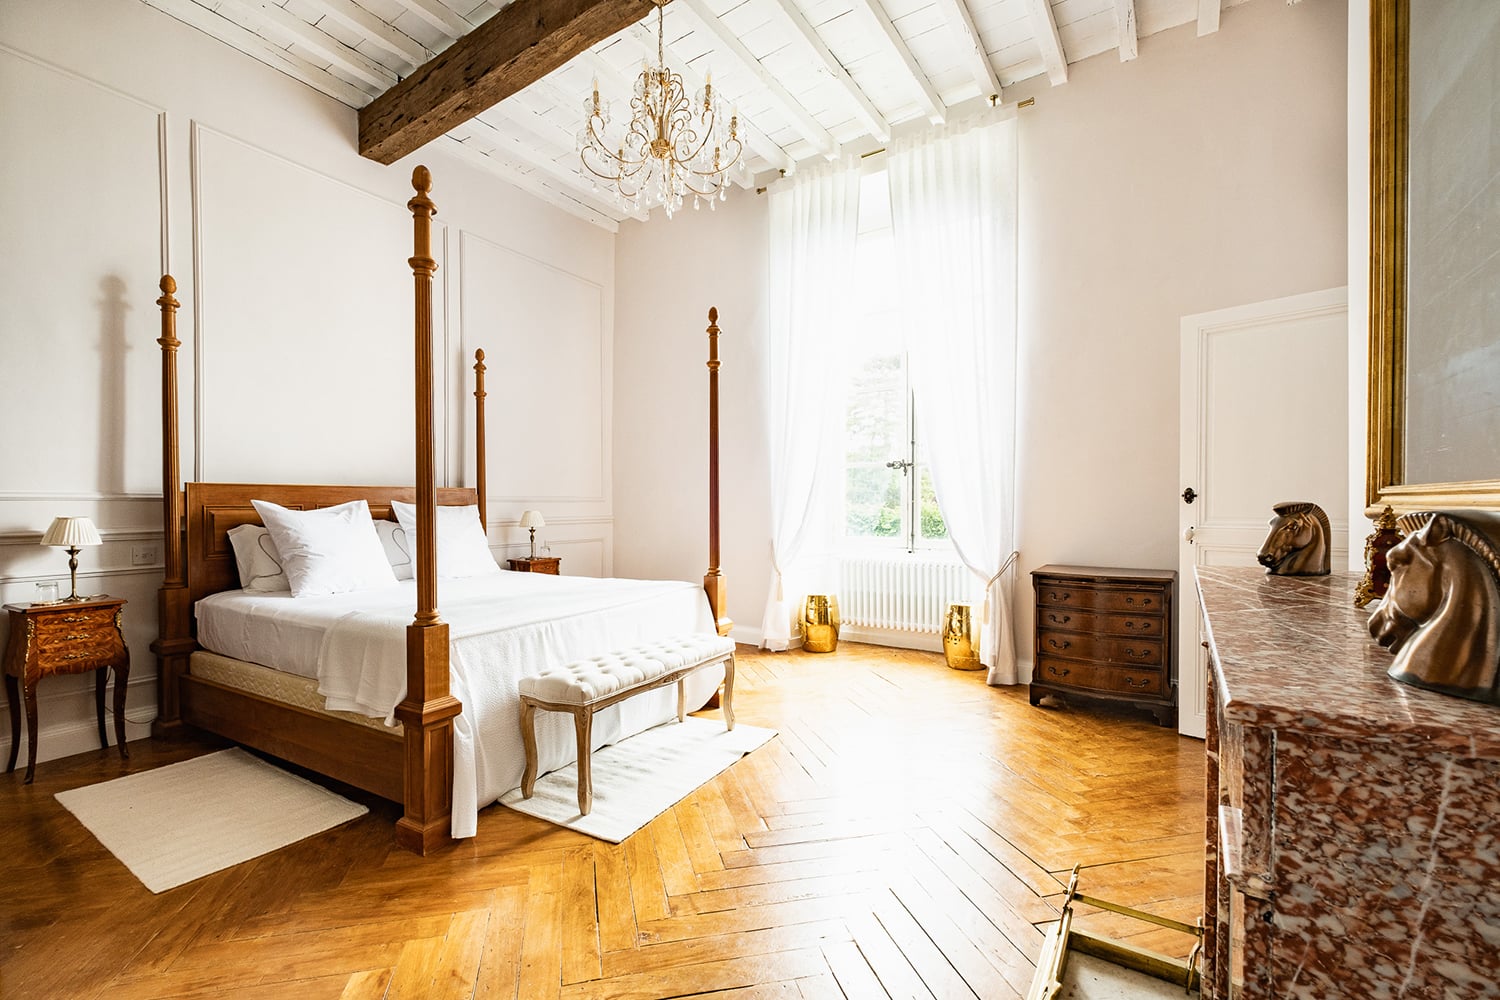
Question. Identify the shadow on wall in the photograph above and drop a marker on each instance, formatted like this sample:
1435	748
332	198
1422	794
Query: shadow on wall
112	351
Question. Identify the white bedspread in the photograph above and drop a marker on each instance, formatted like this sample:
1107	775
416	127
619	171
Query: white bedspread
502	628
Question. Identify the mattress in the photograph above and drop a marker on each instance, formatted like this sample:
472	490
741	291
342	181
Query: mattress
289	689
502	627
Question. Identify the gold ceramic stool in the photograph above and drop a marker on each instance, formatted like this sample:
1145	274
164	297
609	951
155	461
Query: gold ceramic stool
820	623
958	638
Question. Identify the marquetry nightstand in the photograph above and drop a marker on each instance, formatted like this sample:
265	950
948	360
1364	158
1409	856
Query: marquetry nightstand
538	564
70	637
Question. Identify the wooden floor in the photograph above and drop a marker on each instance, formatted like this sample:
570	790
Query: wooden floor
904	836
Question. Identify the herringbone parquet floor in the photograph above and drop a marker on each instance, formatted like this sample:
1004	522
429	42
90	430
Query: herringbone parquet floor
903	837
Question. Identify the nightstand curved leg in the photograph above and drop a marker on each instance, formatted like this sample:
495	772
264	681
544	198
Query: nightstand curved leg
13	699
100	676
122	681
28	694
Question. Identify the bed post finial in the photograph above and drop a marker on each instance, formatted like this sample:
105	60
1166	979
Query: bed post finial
713	581
479	449
174	641
427	711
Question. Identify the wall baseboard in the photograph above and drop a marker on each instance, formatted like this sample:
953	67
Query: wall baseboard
929	641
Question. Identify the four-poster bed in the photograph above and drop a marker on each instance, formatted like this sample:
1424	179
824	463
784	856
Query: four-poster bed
413	764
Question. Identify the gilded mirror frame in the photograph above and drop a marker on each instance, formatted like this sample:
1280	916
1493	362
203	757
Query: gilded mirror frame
1385	464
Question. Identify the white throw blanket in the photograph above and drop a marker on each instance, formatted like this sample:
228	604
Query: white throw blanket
502	628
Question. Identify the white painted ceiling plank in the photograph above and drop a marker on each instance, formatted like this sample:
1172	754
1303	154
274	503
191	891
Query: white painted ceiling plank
974	57
518	140
754	136
296	31
863	108
873	16
1125	21
374	30
1044	27
239	37
528	183
805	124
1208	17
439	17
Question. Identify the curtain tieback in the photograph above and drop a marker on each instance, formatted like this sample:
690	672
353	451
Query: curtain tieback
985	620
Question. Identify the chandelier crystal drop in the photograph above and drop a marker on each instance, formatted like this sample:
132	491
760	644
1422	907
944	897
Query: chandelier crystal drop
671	148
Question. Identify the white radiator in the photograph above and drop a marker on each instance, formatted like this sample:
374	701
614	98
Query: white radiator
901	592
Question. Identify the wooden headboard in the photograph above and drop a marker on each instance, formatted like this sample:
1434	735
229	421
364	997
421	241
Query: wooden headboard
214	508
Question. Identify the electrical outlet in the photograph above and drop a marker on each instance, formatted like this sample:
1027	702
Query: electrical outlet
145	555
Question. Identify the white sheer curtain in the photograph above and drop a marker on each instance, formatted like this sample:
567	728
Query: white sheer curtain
813	220
953	213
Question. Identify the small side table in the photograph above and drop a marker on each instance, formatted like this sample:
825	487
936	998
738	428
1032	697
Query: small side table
538	564
70	637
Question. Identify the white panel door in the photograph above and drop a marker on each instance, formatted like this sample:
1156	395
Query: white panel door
1265	414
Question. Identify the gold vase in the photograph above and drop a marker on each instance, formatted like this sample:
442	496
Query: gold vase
820	623
958	638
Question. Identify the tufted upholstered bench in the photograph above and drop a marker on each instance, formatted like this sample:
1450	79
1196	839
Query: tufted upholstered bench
585	686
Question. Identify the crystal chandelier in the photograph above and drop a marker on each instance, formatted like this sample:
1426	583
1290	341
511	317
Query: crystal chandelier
671	148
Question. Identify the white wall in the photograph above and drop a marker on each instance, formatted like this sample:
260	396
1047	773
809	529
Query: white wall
1208	173
137	144
667	275
1359	271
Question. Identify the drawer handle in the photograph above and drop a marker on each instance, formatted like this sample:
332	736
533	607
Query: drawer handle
1065	671
1145	601
1055	645
1143	682
1066	595
1060	621
69	657
1139	654
1143	626
73	619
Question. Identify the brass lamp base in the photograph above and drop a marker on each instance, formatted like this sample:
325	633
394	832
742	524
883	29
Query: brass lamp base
73	551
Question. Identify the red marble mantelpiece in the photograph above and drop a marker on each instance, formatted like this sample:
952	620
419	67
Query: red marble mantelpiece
1354	822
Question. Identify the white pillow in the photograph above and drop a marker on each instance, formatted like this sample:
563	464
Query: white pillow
397	548
333	550
256	558
462	549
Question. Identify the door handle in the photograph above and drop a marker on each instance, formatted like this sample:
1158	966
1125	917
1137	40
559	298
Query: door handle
1187	536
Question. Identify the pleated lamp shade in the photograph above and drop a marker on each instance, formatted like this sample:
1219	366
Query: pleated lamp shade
72	532
532	519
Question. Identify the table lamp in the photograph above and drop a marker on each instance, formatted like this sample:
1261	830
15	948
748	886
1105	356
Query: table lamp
72	533
533	520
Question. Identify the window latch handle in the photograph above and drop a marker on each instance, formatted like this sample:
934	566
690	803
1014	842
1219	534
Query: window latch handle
899	463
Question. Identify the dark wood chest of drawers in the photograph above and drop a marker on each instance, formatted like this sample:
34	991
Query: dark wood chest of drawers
1106	634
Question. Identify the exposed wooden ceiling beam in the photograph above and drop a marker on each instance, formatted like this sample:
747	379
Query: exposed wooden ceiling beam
1208	17
1125	22
755	137
295	31
974	58
729	44
371	28
1044	24
521	44
823	56
878	23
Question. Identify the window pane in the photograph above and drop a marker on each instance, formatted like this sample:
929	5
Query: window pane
872	501
875	424
931	518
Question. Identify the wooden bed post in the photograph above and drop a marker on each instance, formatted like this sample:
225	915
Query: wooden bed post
174	641
428	709
713	582
484	519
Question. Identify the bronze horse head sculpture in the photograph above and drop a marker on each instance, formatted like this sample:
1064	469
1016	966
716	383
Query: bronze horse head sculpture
1441	614
1299	541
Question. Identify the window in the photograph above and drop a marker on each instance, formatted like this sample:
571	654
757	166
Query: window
888	495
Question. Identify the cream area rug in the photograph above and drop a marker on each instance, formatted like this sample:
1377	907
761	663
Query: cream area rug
183	821
637	779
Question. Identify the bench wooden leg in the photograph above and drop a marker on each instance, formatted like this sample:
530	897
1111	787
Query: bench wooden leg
528	736
681	701
583	721
729	692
